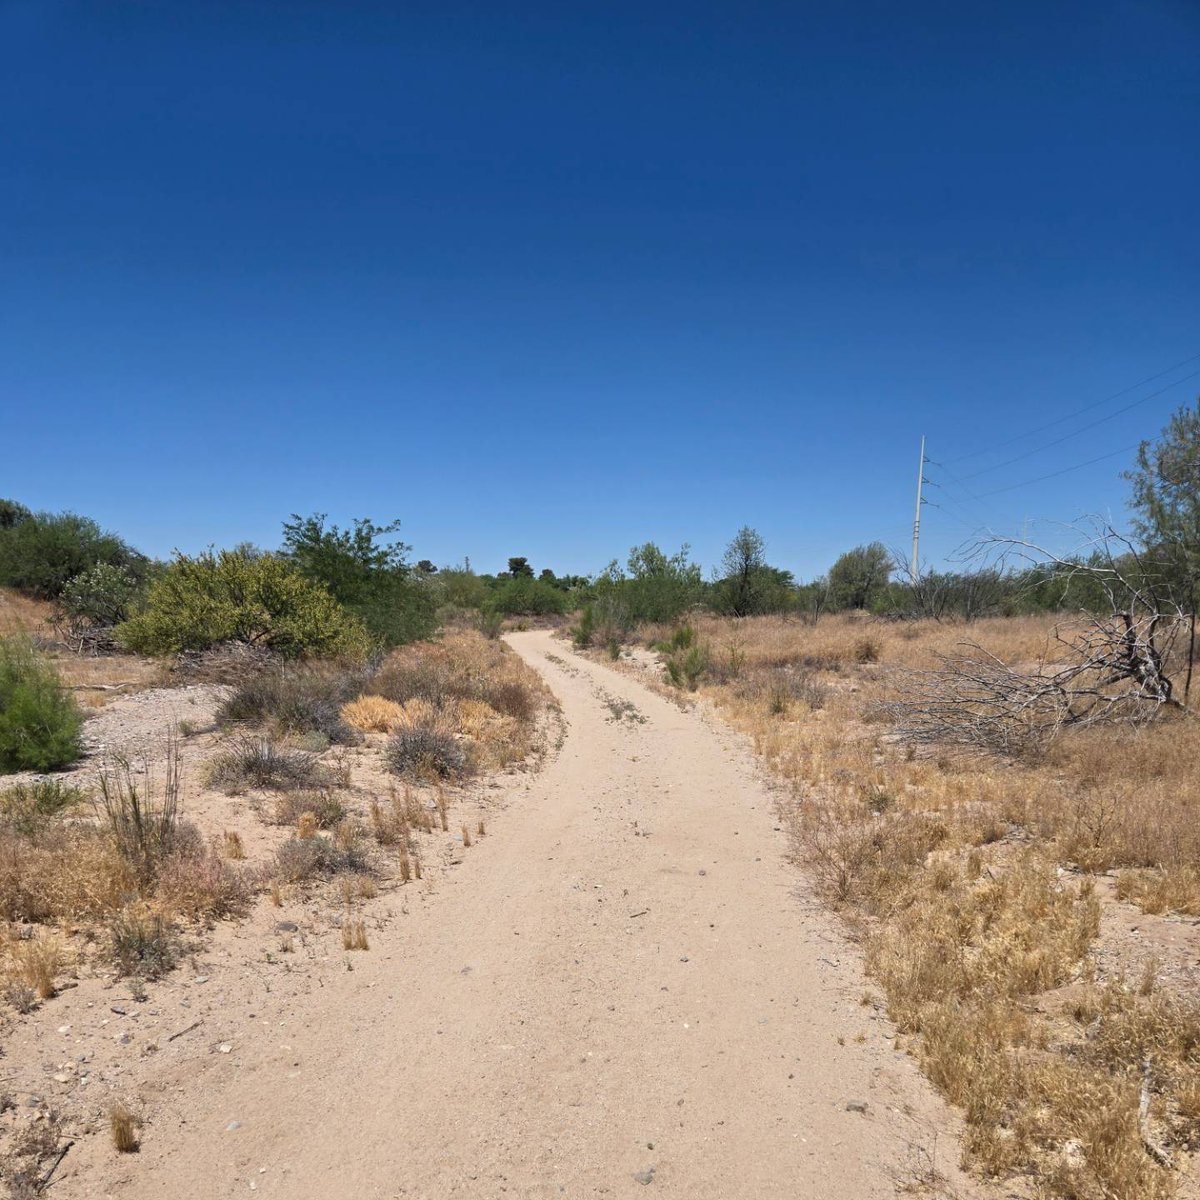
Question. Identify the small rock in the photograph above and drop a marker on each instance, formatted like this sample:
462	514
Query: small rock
125	1039
201	978
858	1106
232	1126
120	1010
225	1047
646	1176
286	927
684	958
62	1077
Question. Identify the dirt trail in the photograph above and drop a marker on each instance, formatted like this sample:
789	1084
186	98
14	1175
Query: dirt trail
618	993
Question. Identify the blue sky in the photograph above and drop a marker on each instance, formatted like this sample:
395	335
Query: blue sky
555	279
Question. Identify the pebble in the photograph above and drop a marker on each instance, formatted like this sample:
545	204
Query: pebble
62	1077
646	1176
225	1047
286	927
858	1106
232	1126
201	978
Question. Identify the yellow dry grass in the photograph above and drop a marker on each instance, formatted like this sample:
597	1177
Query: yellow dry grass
373	714
953	867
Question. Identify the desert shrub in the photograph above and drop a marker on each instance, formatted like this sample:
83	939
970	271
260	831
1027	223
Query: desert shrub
297	699
373	714
867	650
584	630
101	596
426	752
27	808
686	666
509	697
202	884
35	963
39	721
367	574
143	943
325	808
141	812
42	551
491	624
235	596
256	762
302	858
522	596
61	873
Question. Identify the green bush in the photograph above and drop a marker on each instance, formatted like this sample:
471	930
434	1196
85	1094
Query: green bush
523	596
101	596
39	722
584	630
367	575
28	808
236	596
40	552
686	665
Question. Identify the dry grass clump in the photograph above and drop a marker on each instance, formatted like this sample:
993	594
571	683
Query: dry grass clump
143	942
952	865
123	1128
373	714
258	762
35	963
303	858
326	810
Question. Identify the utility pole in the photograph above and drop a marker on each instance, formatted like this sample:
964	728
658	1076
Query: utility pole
916	570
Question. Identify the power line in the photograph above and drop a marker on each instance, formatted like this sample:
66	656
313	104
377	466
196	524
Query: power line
1065	471
1082	429
1080	411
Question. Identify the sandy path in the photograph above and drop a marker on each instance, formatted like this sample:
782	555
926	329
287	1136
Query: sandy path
619	979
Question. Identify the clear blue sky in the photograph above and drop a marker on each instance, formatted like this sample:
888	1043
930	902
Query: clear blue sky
555	279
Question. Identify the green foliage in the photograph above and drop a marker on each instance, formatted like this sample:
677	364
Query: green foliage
367	574
40	552
747	585
1166	504
236	597
39	721
584	629
461	588
28	808
101	596
522	595
858	578
519	568
686	665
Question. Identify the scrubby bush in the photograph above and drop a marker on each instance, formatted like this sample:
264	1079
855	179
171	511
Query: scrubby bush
297	699
584	630
302	858
39	721
142	811
28	808
686	665
262	763
98	598
235	596
426	752
40	552
373	714
325	808
524	596
143	943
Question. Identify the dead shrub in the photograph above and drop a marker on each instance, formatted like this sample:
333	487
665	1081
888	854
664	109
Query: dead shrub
300	859
36	963
202	884
123	1126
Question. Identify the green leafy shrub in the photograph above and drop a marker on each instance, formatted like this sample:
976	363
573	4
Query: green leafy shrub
235	596
39	721
367	575
40	552
524	596
584	630
101	596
